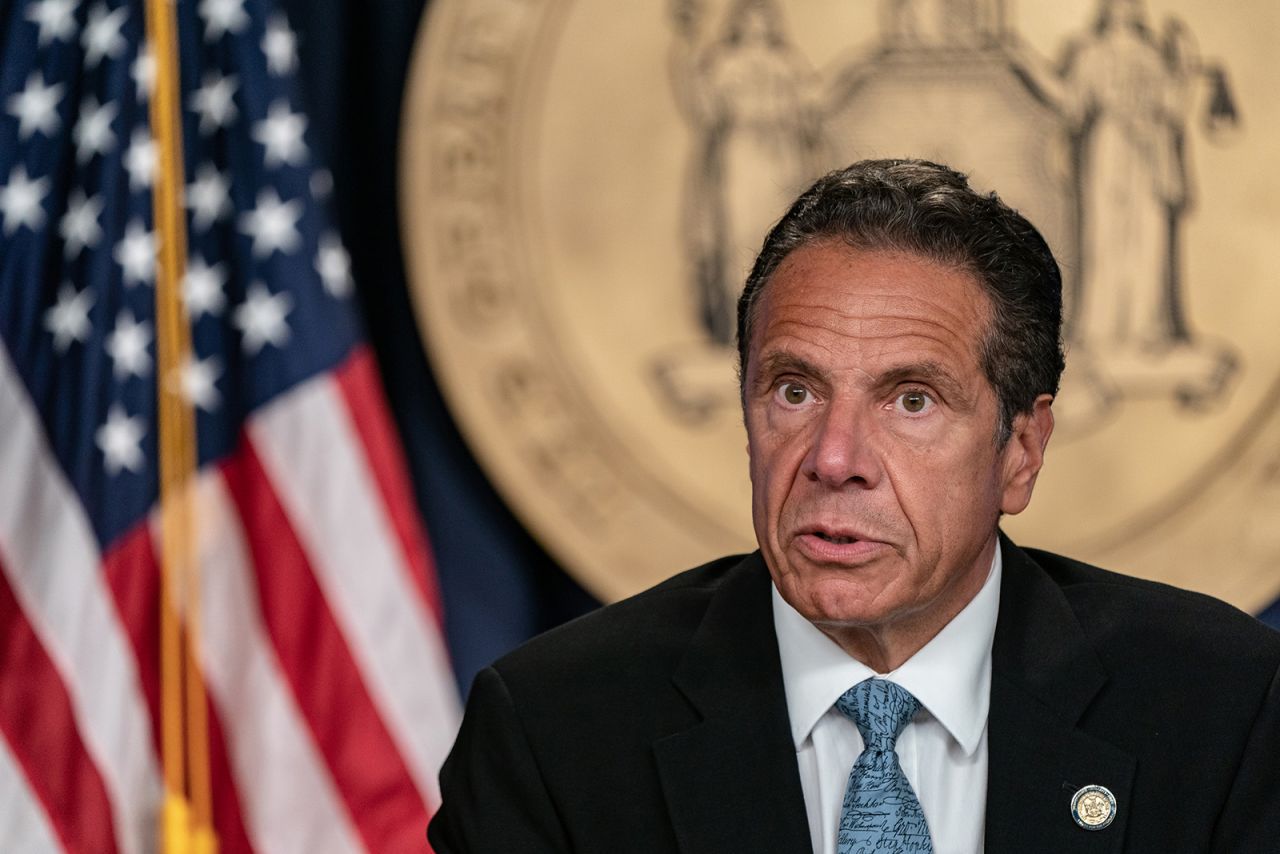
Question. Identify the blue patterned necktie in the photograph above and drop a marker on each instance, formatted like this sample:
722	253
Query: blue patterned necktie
881	812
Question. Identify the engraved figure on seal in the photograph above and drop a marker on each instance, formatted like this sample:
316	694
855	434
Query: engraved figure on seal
1131	94
750	99
1120	102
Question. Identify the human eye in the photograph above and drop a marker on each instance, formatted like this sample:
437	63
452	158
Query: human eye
914	401
792	394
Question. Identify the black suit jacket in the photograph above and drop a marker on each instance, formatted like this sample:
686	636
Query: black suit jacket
659	723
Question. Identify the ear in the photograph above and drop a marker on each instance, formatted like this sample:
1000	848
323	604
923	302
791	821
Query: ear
1024	454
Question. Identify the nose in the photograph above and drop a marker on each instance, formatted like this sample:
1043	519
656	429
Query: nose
844	449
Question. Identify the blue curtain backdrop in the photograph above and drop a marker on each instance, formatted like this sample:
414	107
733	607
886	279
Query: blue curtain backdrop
499	586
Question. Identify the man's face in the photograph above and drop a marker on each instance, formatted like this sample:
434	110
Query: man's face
877	482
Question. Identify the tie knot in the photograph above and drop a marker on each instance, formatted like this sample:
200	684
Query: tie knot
881	709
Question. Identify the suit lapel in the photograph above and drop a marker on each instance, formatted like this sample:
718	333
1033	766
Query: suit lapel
731	782
1045	673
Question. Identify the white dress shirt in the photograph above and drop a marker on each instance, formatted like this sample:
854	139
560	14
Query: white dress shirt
943	750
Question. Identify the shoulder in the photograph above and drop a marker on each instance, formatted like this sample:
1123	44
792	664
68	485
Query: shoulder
1107	597
1132	618
643	635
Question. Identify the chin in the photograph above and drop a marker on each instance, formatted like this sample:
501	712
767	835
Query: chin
837	601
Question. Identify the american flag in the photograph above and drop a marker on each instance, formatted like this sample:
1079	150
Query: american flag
330	697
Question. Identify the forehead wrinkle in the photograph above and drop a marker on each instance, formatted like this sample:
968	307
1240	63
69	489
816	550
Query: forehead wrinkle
874	336
866	307
843	306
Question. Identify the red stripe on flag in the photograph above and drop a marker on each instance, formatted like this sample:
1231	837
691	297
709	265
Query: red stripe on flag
227	819
37	721
360	386
132	573
368	771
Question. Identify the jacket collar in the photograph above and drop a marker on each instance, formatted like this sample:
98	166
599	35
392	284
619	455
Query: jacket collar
1045	674
732	777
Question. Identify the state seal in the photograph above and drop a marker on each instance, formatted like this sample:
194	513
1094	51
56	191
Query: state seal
1093	807
585	183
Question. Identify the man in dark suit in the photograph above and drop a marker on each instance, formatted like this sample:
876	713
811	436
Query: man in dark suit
888	673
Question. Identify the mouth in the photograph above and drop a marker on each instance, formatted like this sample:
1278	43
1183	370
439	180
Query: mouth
840	533
841	544
838	539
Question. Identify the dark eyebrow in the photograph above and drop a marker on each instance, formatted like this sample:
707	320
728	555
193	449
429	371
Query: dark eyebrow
930	373
778	363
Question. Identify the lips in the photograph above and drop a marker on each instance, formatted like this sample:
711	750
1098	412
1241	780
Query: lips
840	535
838	544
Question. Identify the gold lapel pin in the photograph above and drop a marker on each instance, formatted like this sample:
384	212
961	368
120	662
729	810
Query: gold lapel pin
1093	807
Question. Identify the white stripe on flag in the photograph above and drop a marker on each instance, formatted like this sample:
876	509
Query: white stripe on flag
314	458
23	822
55	571
286	792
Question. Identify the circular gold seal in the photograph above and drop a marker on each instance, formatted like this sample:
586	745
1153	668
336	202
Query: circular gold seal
585	184
1093	807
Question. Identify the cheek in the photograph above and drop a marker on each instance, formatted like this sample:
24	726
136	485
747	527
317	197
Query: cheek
968	498
770	479
774	454
760	457
774	468
779	431
941	489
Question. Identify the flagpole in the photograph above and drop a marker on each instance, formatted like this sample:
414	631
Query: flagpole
187	821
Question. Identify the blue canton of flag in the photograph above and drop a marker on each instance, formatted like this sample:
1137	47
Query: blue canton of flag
79	242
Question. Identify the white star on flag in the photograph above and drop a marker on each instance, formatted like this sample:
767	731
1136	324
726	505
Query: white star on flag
214	101
55	18
280	133
127	346
92	133
272	224
120	440
334	265
280	45
36	106
202	288
196	381
136	254
222	17
101	37
143	71
68	319
79	226
208	196
22	200
140	159
261	318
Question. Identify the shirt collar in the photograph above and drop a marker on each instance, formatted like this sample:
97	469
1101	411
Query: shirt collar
950	675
